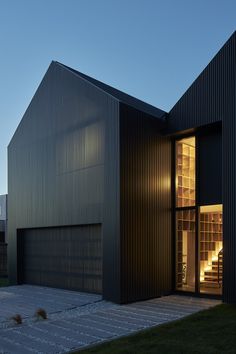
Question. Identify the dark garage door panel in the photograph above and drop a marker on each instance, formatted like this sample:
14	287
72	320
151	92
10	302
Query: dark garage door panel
63	257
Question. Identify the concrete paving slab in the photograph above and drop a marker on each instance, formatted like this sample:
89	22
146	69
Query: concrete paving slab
7	346
95	332
108	319
109	328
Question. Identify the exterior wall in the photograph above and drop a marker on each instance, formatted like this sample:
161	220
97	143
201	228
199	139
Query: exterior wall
3	207
211	98
145	207
111	217
2	230
57	160
3	225
3	259
3	234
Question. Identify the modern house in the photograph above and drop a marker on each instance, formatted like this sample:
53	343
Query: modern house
3	235
111	195
3	217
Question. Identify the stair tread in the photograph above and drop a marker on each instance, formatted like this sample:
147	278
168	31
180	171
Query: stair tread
212	272
206	284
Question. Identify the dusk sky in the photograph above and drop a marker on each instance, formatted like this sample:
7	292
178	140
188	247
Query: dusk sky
150	49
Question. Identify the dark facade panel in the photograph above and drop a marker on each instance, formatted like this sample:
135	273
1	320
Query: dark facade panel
3	258
209	152
111	211
3	207
2	226
229	200
62	257
57	162
145	207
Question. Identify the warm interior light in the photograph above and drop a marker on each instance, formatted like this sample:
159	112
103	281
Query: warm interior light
207	269
211	243
211	208
185	172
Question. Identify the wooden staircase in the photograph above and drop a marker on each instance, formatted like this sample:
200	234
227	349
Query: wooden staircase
213	277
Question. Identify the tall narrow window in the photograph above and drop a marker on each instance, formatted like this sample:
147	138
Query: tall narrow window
185	250
185	172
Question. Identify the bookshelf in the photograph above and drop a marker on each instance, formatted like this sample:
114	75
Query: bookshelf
210	250
211	236
185	172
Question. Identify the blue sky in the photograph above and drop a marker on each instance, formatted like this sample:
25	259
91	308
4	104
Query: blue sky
151	49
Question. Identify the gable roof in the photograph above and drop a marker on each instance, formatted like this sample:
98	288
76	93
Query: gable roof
121	96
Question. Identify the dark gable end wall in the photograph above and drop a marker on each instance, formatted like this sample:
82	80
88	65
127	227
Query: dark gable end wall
63	152
210	99
145	207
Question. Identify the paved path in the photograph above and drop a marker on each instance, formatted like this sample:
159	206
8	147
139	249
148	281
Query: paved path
77	319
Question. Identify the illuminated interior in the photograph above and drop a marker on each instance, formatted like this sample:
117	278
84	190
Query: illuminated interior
185	250
202	271
185	172
211	249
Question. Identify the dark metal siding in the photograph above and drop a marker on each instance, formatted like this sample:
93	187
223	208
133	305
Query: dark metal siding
211	98
57	163
111	216
3	207
2	225
209	152
3	259
145	207
63	257
229	197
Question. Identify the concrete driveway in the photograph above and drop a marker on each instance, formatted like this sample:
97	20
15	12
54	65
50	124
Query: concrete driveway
76	320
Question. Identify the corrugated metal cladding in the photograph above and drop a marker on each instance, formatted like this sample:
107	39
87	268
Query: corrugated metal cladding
65	257
209	98
229	178
145	207
57	163
3	207
111	210
212	98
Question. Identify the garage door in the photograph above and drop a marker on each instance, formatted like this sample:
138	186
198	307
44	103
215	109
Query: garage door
63	257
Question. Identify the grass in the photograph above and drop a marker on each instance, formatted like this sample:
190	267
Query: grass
211	331
4	282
